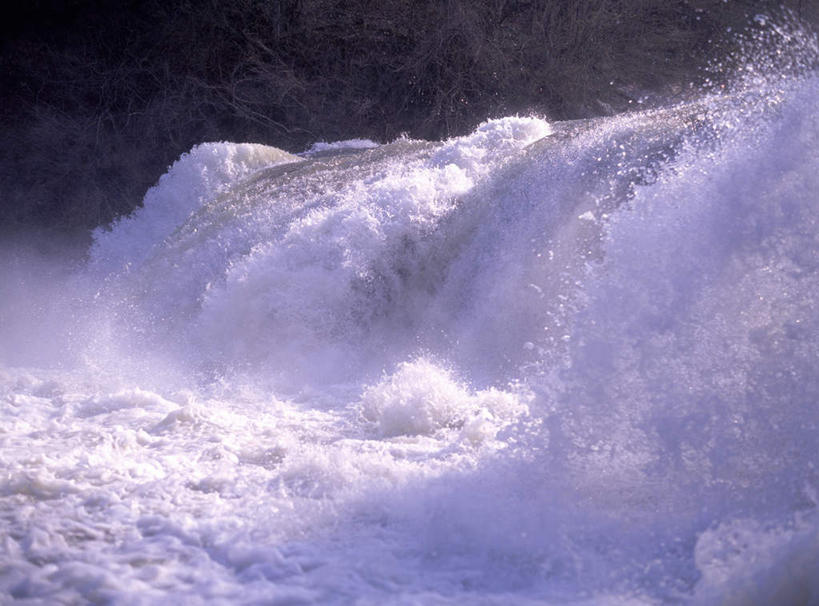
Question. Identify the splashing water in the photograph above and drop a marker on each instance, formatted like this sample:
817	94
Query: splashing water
542	363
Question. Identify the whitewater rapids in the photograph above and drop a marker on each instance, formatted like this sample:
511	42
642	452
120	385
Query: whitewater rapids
538	364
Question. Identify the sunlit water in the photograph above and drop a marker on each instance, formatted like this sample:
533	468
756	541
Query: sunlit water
539	364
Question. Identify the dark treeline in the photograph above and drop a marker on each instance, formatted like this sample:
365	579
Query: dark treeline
99	97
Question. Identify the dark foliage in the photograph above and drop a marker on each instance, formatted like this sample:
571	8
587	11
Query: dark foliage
100	96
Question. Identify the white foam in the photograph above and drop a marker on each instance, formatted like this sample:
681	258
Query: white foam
422	374
420	398
326	274
197	177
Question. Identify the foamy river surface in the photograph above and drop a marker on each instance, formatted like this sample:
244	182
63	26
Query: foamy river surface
543	363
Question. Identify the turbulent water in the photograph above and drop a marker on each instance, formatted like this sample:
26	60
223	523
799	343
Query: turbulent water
539	364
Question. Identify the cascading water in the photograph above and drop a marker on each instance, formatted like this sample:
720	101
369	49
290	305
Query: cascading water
542	363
